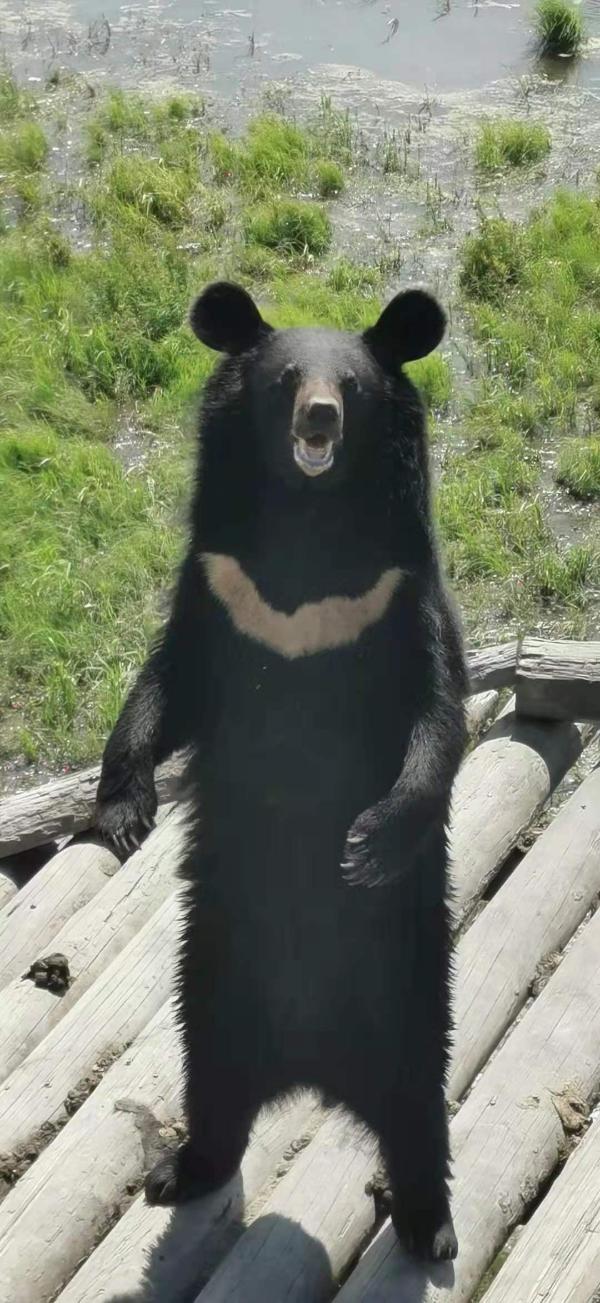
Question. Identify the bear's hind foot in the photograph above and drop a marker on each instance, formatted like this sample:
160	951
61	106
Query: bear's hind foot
427	1235
182	1175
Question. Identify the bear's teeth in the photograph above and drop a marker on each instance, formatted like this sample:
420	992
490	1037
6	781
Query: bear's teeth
313	461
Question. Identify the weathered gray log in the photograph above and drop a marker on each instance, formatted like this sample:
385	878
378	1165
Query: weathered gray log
301	1240
480	710
558	680
331	1202
63	1203
153	1256
8	889
111	1013
500	788
524	925
38	911
507	1138
90	940
492	667
557	1256
65	806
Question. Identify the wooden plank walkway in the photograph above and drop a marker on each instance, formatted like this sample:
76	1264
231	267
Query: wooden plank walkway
90	1080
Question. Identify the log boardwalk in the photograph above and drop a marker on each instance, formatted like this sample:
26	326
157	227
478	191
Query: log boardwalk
90	1073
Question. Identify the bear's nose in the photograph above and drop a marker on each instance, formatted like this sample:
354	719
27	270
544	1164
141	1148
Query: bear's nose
322	415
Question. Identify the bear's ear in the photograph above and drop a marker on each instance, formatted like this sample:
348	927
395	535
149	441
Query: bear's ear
411	326
225	318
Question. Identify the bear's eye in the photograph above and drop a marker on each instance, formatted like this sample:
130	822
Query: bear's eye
351	383
287	379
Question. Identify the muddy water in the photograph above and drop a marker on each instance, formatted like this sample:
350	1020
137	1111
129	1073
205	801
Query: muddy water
444	45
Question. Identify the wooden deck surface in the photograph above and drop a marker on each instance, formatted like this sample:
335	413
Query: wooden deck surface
90	1079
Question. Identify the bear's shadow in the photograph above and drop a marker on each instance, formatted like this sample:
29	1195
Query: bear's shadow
219	1219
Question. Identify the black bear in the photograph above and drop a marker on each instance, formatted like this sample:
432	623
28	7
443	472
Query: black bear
313	665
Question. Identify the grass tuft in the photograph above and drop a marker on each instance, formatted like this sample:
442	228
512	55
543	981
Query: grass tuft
151	188
511	143
559	28
433	377
579	468
23	148
14	102
329	178
289	226
492	261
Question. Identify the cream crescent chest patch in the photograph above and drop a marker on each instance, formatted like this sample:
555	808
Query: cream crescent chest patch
313	627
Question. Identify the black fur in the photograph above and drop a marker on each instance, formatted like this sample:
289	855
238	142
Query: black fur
317	941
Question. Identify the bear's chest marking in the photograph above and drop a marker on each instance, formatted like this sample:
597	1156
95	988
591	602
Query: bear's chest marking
313	627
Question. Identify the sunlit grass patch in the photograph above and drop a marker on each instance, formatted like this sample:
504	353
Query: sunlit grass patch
276	155
433	376
14	101
23	148
492	260
511	143
81	548
559	27
329	178
565	576
579	468
289	226
125	119
154	189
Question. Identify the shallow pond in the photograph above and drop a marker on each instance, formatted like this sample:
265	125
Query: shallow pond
444	45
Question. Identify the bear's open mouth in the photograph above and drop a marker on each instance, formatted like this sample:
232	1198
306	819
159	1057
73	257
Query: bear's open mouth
313	456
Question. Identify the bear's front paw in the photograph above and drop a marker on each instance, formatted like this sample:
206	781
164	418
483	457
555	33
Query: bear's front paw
372	851
124	819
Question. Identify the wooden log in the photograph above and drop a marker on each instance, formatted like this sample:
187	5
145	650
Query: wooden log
8	889
111	1013
500	788
90	940
480	710
300	1242
527	922
294	1265
65	806
507	1138
64	1202
38	911
492	667
557	1256
155	1255
558	680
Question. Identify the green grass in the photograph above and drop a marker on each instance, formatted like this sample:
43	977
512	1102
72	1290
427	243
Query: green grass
123	120
14	101
81	548
93	342
492	260
579	468
329	178
433	376
559	28
510	143
534	294
276	155
23	148
151	188
289	226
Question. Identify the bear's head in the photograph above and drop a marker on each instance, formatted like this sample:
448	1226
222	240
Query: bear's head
319	397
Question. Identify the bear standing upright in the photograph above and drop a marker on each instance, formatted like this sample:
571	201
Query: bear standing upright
313	665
